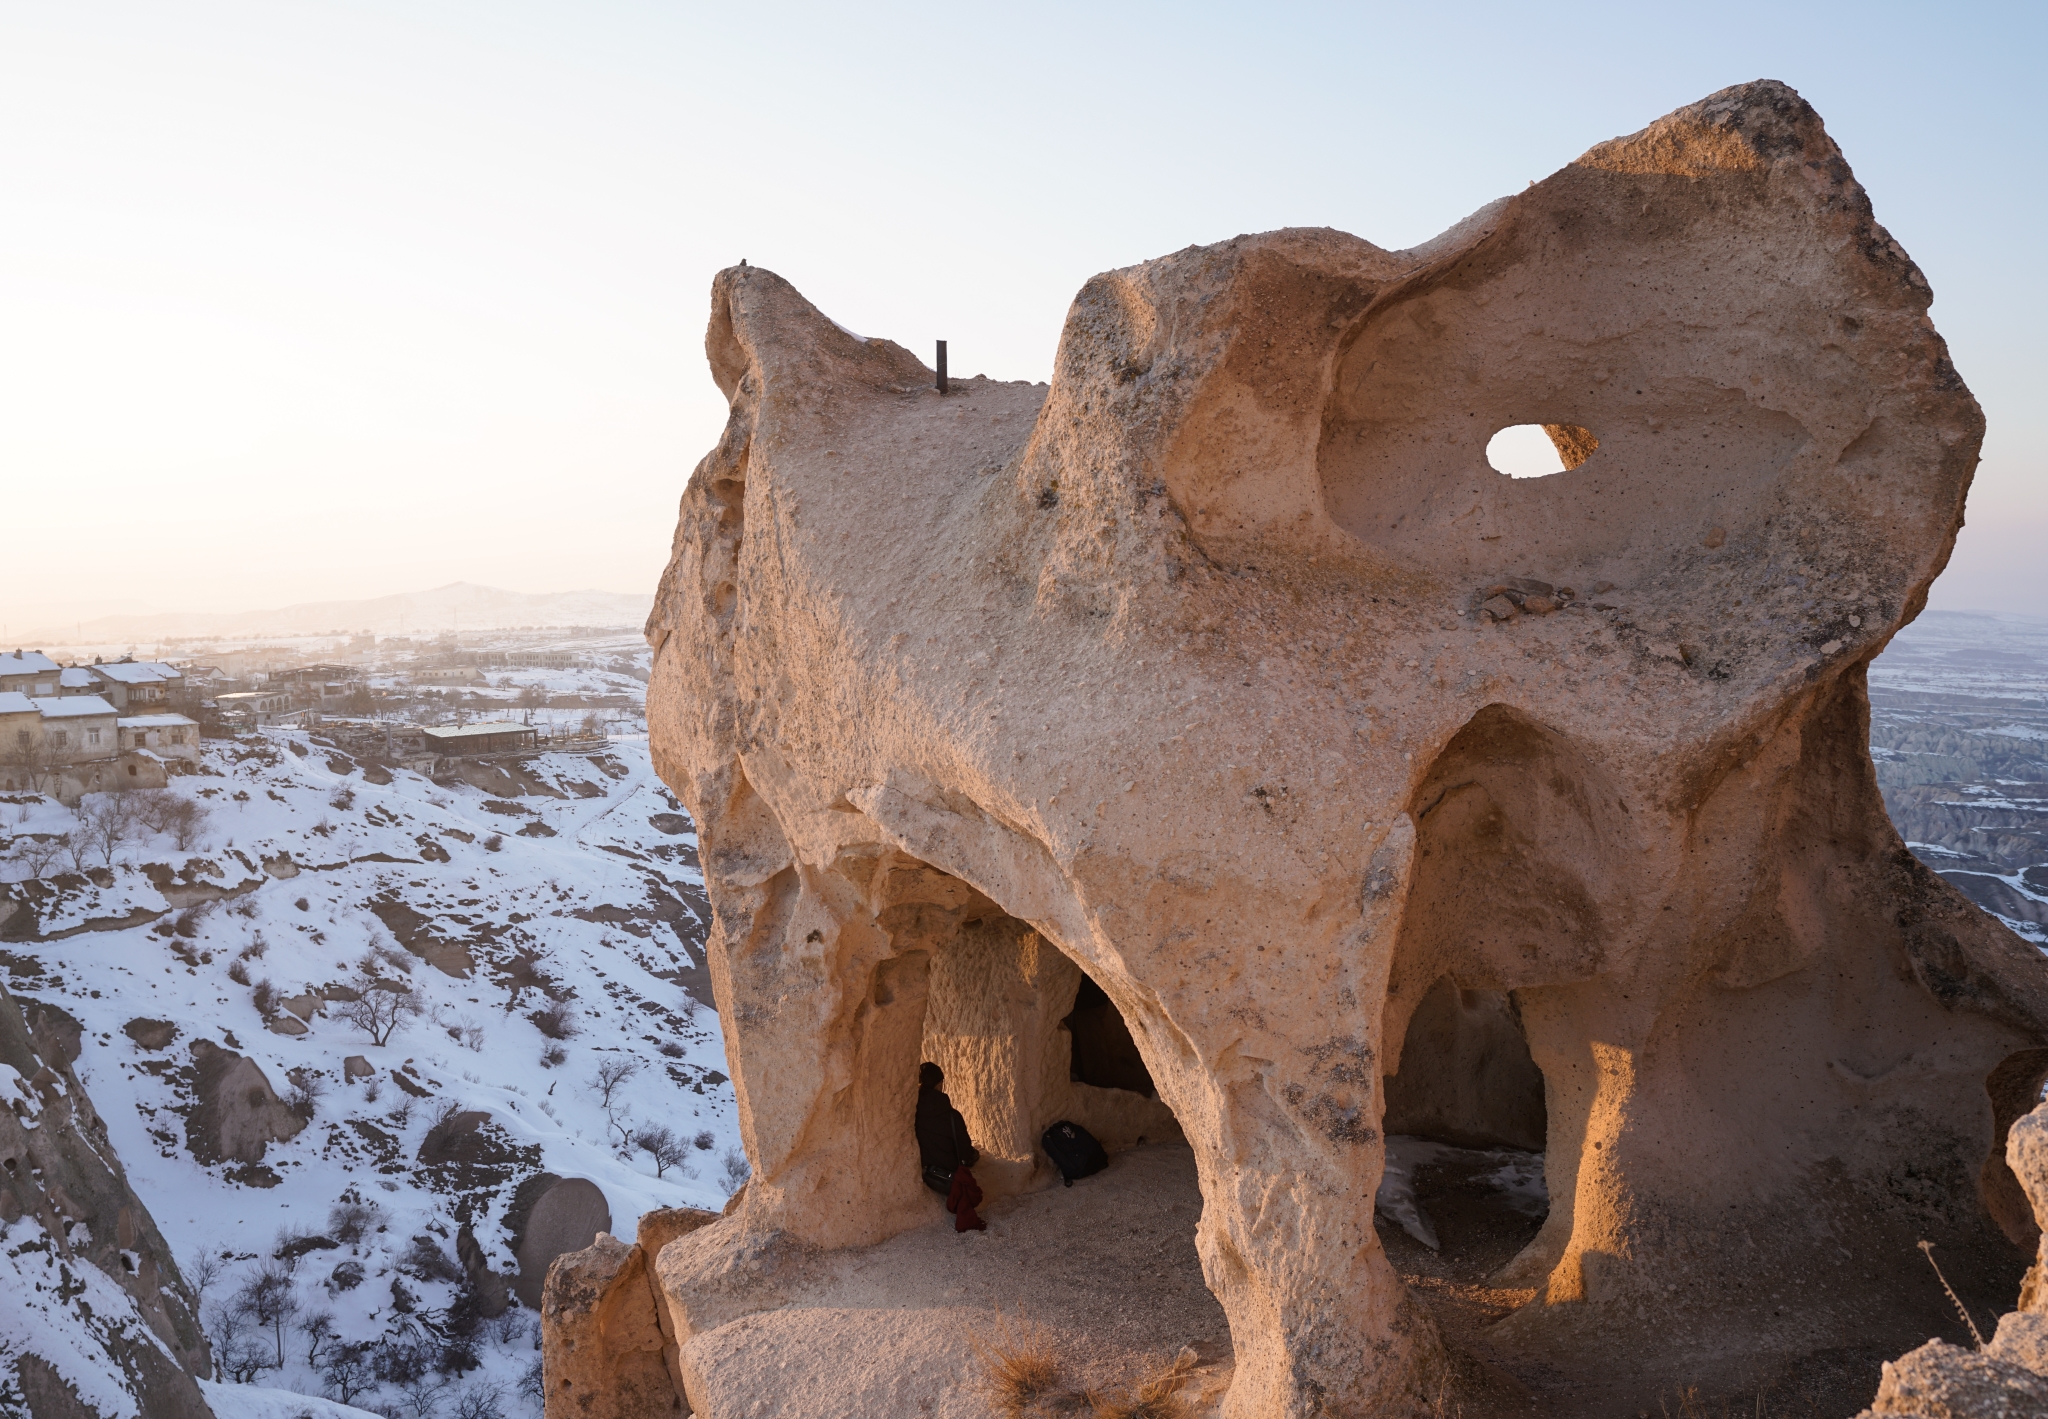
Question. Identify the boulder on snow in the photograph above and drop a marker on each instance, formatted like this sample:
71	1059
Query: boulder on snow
150	1034
235	1114
565	1217
356	1067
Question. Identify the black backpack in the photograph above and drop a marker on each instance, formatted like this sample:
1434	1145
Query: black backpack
1073	1151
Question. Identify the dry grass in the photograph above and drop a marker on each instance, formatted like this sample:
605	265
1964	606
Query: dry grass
1157	1397
1019	1366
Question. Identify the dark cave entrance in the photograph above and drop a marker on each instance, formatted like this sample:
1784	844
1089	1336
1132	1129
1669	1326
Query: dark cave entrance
1103	1053
1465	1125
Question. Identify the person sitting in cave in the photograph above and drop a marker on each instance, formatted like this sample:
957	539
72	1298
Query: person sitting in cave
945	1150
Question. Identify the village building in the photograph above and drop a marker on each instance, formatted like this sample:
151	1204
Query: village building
74	729
136	686
169	736
28	672
496	736
258	706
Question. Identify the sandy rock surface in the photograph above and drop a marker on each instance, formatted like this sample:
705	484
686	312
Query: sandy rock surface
1225	675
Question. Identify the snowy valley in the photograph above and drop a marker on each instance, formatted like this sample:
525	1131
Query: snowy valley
335	1014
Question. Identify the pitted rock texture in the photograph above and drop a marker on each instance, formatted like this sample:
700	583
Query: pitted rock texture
1227	672
101	1311
605	1351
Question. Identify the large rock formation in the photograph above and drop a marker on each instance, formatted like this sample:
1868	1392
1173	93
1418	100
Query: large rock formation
1226	671
96	1320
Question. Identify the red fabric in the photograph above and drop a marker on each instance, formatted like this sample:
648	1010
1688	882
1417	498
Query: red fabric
963	1199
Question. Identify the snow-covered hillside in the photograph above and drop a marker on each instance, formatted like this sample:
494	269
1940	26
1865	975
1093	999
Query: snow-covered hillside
541	927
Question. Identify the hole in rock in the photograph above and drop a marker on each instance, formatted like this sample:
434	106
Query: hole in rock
1539	450
1465	1125
1104	1054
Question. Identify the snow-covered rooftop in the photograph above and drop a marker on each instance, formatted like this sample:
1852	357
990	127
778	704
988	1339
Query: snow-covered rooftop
14	702
75	677
70	706
136	672
26	662
156	721
489	726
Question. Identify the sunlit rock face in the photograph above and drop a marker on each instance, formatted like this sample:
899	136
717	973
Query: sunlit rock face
1227	672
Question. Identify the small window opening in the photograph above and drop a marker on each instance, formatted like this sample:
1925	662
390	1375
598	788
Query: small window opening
1104	1053
1539	450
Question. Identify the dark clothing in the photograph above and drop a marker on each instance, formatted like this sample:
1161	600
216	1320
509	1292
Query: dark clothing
942	1144
962	1199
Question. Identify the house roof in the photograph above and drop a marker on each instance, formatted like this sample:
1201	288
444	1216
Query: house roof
76	677
26	662
71	706
157	721
14	702
249	695
135	672
473	731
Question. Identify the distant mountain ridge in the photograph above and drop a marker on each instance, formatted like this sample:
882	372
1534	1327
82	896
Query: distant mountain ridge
458	606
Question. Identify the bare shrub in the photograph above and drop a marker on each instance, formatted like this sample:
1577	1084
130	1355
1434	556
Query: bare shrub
379	1012
308	1088
704	1141
424	1258
255	949
555	1020
1019	1366
662	1145
1156	1397
270	1302
671	1050
400	1113
495	843
187	822
553	1056
482	1400
343	800
238	972
264	996
351	1219
735	1171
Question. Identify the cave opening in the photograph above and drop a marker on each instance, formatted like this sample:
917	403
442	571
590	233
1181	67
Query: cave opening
1465	1123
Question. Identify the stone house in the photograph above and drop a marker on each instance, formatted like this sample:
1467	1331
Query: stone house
28	672
168	736
136	686
75	729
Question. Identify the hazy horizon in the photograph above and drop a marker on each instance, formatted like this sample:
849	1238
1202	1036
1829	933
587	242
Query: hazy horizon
337	301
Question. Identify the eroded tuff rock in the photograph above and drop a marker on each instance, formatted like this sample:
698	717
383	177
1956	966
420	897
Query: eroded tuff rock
95	1318
606	1353
236	1114
1226	671
2009	1377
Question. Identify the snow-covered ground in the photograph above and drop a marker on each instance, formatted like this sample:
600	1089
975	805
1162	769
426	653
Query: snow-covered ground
577	900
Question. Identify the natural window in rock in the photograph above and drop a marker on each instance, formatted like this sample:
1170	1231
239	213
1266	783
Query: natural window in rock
1105	1055
1539	450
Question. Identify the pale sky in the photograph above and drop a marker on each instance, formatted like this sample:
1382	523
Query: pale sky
317	300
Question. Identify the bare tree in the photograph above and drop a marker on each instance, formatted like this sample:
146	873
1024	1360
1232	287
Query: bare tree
270	1301
348	1371
204	1269
42	853
105	821
379	1011
187	822
318	1328
607	1083
662	1145
482	1400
